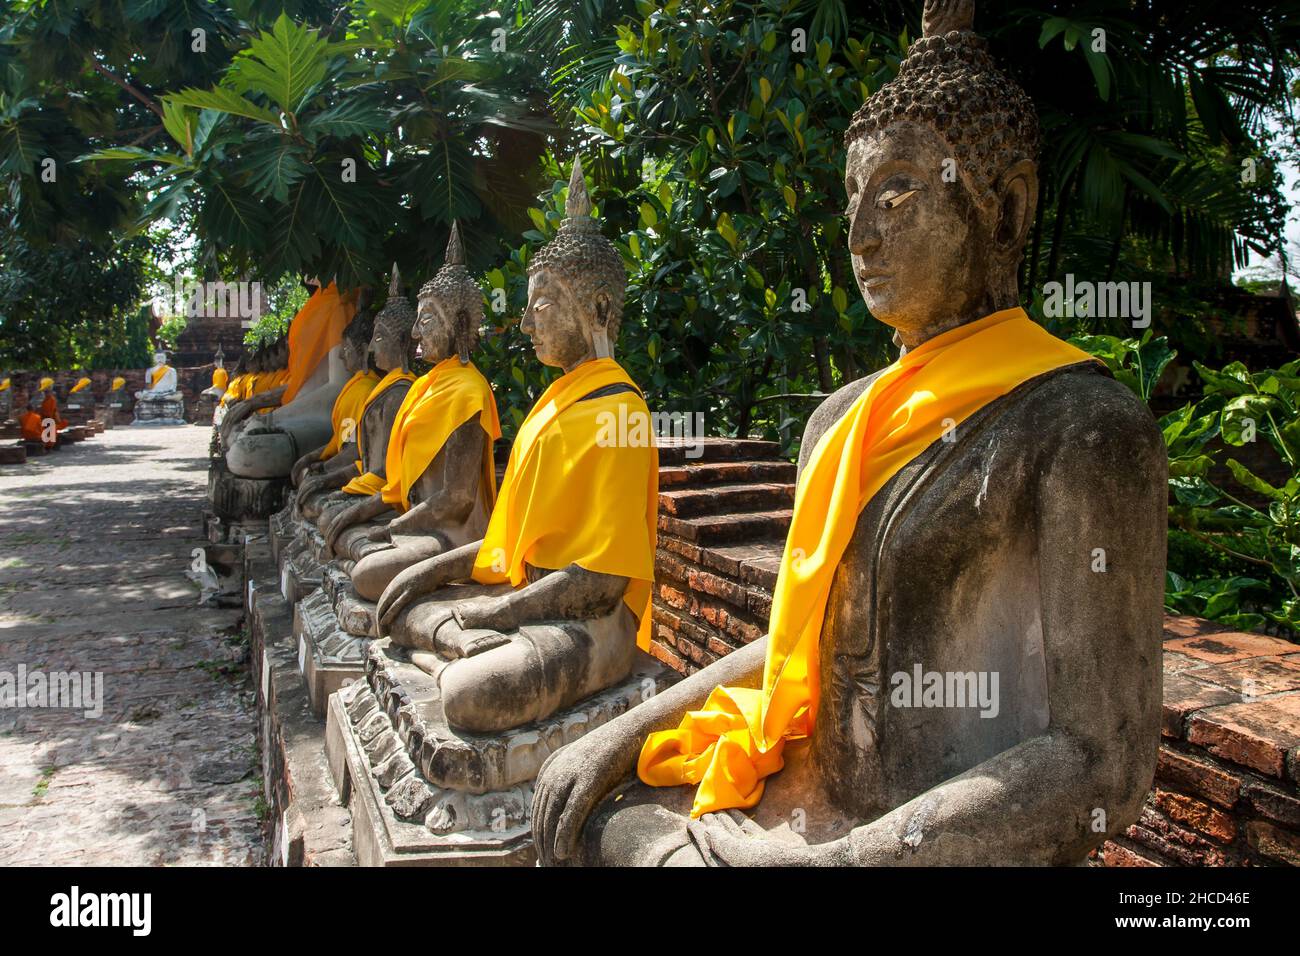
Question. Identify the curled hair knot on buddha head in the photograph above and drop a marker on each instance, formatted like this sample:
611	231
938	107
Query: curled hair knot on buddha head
460	296
950	82
584	259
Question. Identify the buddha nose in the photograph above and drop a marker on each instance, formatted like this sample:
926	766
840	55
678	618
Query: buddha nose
863	235
527	322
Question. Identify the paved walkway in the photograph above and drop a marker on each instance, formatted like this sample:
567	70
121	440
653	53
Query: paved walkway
95	541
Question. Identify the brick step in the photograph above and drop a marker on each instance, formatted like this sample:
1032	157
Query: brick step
673	451
722	472
727	528
725	499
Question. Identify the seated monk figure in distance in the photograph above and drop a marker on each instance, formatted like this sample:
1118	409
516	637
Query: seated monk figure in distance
391	349
341	450
963	662
441	482
33	427
50	405
570	543
306	377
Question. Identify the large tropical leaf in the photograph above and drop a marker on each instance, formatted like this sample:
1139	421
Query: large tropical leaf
281	65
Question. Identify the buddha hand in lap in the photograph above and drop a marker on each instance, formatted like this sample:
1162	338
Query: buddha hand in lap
947	678
572	532
440	478
327	495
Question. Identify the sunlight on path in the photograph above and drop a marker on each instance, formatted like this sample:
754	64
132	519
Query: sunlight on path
95	541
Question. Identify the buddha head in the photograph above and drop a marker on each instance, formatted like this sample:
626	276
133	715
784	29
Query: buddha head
575	287
450	308
390	346
354	349
942	184
159	358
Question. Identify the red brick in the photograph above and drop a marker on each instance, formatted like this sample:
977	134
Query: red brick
1256	677
719	646
1184	847
1184	695
1175	663
760	605
1257	734
667	656
711	584
1195	814
1228	646
742	631
1274	843
1198	776
691	552
1177	625
672	597
1115	854
1274	803
669	567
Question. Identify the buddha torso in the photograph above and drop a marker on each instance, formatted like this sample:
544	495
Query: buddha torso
377	422
943	571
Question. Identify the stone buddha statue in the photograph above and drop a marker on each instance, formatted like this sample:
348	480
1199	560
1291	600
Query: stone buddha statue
441	482
160	402
322	495
161	378
963	663
340	452
545	610
313	377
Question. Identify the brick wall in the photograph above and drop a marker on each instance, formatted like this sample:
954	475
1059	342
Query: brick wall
190	382
1226	789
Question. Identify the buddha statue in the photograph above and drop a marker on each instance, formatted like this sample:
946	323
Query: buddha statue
441	482
312	375
322	495
341	449
160	402
505	649
572	532
963	660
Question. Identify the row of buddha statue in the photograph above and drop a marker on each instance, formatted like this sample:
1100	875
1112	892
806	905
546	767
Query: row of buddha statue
948	511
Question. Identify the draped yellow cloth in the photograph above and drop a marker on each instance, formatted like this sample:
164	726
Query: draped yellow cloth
158	374
736	740
575	492
347	408
46	384
32	426
4	385
237	389
438	403
220	378
367	482
316	329
50	409
269	381
82	383
118	382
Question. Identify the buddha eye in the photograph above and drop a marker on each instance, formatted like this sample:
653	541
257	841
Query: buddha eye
541	304
893	198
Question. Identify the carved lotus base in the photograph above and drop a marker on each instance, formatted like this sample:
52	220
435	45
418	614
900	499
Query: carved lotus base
328	656
236	499
423	793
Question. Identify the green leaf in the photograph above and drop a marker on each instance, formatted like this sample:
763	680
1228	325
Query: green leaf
352	117
1248	479
224	101
282	65
274	166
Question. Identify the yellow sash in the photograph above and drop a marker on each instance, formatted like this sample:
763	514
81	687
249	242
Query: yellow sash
220	378
316	329
573	491
158	374
118	382
437	404
46	385
235	390
736	740
367	482
81	383
347	408
4	385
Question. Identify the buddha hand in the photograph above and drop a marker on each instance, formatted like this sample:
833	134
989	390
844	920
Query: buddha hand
729	838
571	783
451	640
380	533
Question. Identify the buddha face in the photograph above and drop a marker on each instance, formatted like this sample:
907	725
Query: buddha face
558	323
435	328
159	358
926	256
389	347
352	354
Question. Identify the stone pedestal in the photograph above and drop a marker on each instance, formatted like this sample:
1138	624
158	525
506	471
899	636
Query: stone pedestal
236	499
422	793
167	408
15	454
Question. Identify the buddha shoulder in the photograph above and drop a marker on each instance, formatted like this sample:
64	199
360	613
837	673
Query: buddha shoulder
830	411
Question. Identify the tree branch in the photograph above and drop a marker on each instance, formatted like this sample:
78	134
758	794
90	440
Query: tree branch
109	75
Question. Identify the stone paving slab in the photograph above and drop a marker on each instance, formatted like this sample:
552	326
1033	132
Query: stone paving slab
94	545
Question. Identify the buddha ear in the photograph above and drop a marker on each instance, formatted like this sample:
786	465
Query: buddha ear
600	332
1017	193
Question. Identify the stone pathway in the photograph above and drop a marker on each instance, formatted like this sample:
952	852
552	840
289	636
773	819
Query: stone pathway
95	542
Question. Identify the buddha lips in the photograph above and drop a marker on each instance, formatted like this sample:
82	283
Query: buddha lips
729	746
